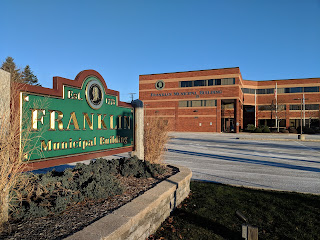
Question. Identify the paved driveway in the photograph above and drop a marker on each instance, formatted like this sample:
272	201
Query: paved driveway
249	160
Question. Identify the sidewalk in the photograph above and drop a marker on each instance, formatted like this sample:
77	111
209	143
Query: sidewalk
277	136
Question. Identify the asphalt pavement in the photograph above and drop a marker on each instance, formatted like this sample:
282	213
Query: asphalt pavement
268	161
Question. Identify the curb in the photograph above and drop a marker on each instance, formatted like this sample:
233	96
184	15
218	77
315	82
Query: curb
142	216
281	139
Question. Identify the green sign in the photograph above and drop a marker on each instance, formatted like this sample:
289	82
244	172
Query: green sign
86	119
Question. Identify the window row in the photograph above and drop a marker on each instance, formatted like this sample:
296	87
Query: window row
280	90
198	103
271	107
307	107
209	82
298	89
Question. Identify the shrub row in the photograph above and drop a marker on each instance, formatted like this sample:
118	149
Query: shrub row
54	191
260	129
265	129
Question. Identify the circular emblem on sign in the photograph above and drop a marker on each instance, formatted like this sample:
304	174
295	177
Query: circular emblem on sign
94	94
159	84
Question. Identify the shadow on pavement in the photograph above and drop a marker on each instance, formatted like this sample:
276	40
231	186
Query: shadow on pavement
245	160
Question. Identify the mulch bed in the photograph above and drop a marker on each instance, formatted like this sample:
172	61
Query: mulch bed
81	215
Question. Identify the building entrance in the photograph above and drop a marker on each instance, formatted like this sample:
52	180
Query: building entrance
248	115
227	124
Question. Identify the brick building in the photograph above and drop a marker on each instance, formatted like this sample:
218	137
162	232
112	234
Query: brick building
219	100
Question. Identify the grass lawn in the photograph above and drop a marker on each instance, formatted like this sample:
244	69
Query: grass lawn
209	213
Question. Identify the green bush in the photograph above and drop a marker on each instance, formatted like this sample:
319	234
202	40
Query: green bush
265	129
140	169
54	191
292	130
258	130
308	130
250	128
284	130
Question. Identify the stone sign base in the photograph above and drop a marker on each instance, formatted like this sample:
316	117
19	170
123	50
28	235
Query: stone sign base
142	216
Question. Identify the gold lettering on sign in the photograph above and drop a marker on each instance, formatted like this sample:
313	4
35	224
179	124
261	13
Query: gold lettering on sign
101	122
73	95
127	122
119	122
112	123
35	119
53	120
87	119
44	146
74	122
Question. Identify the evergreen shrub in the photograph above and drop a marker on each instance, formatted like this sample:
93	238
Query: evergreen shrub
292	130
265	129
54	191
284	130
250	128
308	130
258	130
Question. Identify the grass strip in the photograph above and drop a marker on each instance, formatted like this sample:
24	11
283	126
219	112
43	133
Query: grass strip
209	213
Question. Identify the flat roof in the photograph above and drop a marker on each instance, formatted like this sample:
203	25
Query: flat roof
189	71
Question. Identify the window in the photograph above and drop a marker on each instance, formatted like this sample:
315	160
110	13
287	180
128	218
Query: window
198	103
248	90
227	81
198	83
281	107
183	103
296	89
227	106
265	91
209	82
186	84
261	91
295	107
312	106
269	90
311	89
307	107
211	103
264	107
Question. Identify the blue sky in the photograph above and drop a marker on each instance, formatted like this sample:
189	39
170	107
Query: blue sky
274	39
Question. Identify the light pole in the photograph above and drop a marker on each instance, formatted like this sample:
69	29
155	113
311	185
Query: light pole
302	101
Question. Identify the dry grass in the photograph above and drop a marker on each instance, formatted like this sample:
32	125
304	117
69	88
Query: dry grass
11	165
155	139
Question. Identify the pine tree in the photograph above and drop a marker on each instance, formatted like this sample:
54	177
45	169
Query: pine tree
28	77
11	67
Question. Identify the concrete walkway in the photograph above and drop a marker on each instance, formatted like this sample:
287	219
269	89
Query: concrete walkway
269	161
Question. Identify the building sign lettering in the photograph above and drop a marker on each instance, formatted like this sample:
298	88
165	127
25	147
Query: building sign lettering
85	118
186	93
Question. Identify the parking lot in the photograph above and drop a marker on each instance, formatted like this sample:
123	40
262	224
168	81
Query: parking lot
256	160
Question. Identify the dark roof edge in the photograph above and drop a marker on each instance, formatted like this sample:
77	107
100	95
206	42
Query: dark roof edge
188	71
278	79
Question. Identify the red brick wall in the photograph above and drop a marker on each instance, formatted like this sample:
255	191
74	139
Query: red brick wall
208	119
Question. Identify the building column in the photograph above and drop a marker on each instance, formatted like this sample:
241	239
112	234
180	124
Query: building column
237	121
218	117
256	116
287	116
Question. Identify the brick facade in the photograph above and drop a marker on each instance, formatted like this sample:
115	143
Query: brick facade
222	102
